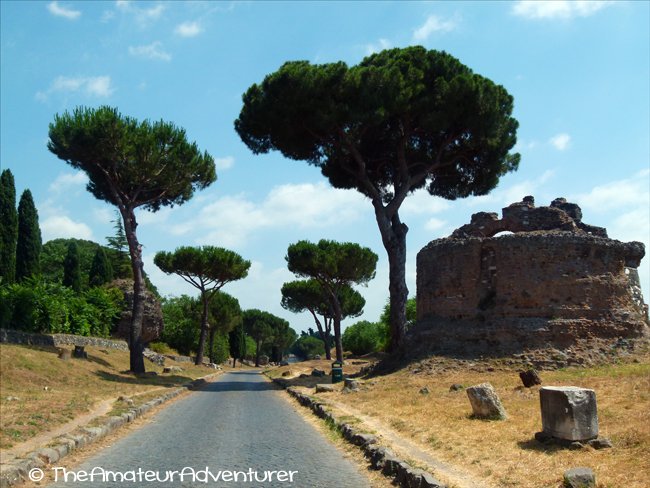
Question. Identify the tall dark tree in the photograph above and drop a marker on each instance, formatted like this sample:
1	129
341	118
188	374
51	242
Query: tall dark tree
309	295
207	268
131	164
237	342
101	271
259	326
29	244
224	315
71	269
119	250
400	120
8	227
335	266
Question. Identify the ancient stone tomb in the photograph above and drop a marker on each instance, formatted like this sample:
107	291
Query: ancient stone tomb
536	278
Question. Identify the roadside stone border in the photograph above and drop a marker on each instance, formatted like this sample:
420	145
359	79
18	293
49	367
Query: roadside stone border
381	458
15	471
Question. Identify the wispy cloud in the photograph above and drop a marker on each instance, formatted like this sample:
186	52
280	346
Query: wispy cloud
628	192
66	181
560	141
188	29
91	86
151	51
231	219
433	24
557	9
380	45
60	11
143	16
61	226
224	163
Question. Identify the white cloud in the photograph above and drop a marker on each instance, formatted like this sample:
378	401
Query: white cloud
433	24
150	51
143	16
60	226
230	220
378	46
421	202
434	224
560	141
92	86
66	181
107	16
224	163
60	11
616	195
557	9
188	29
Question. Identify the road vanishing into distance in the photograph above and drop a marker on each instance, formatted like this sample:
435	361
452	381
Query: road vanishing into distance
237	431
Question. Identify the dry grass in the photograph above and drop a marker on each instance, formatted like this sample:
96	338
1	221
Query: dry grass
51	392
504	453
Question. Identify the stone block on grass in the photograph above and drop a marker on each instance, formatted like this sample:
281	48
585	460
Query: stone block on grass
485	402
569	413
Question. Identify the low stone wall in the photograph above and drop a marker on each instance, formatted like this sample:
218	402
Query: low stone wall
380	458
11	336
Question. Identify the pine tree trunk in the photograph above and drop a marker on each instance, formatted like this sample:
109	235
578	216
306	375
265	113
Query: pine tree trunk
324	335
204	330
213	331
136	346
258	348
326	339
393	234
337	327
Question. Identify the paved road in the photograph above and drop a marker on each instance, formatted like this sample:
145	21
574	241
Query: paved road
238	423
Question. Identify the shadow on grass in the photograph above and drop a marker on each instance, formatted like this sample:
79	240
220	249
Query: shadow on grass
535	445
145	379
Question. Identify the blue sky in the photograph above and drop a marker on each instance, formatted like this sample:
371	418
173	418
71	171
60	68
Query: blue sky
579	73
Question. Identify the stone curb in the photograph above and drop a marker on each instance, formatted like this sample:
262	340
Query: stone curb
17	470
380	458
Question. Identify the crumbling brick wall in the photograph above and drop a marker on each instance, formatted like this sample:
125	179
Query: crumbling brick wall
551	281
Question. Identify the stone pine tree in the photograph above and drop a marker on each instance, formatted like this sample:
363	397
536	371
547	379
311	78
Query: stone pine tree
207	268
131	164
101	271
335	266
71	268
29	244
400	120
259	326
8	227
237	343
224	315
310	296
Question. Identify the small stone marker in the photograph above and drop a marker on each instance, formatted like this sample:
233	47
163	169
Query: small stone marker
317	372
65	354
286	373
569	413
530	378
485	402
350	384
456	387
324	388
172	369
579	478
79	352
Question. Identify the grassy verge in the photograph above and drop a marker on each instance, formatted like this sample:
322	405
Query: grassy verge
39	391
504	453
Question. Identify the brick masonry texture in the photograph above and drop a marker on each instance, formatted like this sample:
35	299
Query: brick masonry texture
552	281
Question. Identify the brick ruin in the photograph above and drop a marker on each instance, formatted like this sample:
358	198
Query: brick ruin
549	281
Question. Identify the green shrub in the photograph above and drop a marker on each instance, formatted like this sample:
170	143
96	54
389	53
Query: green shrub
161	348
363	337
307	347
51	308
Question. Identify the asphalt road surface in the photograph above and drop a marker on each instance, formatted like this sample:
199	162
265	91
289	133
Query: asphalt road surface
236	432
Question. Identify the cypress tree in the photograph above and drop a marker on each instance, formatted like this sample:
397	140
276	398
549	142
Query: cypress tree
101	271
71	269
8	227
28	248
